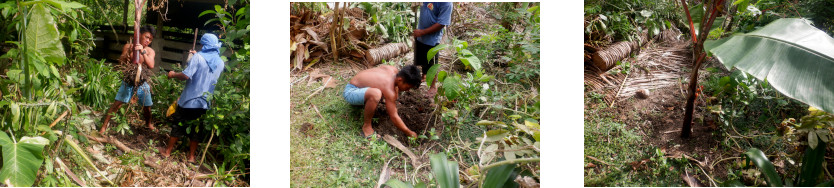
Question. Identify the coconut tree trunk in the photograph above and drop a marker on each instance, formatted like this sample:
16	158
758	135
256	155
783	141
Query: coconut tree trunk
607	58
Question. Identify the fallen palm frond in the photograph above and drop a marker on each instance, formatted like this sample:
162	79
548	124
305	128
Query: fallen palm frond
655	67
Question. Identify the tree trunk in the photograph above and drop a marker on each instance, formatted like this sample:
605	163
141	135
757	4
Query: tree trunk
333	35
607	58
388	51
699	55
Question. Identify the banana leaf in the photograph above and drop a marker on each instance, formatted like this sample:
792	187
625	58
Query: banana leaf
796	58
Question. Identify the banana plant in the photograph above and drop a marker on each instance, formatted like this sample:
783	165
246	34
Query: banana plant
794	57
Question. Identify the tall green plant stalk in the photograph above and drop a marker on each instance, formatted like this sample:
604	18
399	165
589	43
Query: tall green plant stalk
699	55
27	81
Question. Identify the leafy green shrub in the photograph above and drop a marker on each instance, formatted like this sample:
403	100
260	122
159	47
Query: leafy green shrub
393	21
99	83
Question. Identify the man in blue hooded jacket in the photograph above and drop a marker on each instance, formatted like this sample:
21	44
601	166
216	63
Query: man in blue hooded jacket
200	76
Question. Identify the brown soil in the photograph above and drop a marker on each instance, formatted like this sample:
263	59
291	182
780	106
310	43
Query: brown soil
659	120
414	109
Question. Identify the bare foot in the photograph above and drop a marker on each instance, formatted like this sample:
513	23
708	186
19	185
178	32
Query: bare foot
367	131
103	128
164	152
191	159
150	126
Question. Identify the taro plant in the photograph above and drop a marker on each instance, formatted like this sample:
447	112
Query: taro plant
21	159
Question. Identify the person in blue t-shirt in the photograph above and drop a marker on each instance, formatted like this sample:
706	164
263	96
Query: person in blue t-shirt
434	17
201	75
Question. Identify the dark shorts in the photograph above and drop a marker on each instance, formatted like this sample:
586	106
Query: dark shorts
187	117
420	59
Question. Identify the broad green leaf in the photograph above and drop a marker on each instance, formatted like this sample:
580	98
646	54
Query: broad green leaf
796	58
21	160
431	74
487	122
460	45
509	153
441	76
741	5
394	183
42	35
65	6
765	166
206	12
823	135
465	53
472	62
489	153
496	135
498	176
433	51
451	87
485	78
812	139
445	171
811	166
697	12
732	183
420	184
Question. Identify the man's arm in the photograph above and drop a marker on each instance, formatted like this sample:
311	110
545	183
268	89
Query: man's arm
391	107
434	28
149	57
126	52
177	75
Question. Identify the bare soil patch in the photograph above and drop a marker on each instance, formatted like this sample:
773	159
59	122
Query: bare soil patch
416	112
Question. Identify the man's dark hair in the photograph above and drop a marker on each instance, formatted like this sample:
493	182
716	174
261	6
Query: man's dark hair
147	28
411	75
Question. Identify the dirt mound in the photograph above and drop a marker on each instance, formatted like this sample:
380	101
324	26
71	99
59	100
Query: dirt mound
415	111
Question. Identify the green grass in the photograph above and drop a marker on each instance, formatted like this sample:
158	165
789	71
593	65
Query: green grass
619	144
333	154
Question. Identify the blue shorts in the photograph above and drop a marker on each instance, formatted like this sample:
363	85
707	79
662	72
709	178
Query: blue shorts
354	95
144	94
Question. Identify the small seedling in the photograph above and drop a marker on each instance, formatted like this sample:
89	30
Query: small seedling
433	135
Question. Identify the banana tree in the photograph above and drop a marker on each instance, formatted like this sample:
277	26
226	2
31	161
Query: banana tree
796	58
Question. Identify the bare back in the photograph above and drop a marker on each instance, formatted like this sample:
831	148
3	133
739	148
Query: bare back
381	77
